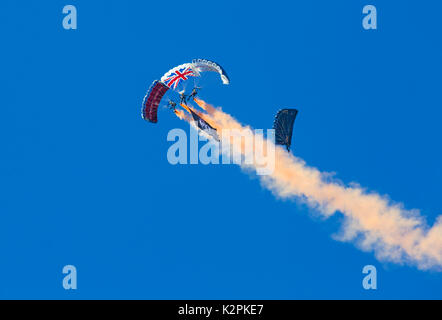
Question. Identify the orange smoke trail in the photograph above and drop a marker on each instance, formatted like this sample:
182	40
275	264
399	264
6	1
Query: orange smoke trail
180	114
188	108
371	220
185	107
203	105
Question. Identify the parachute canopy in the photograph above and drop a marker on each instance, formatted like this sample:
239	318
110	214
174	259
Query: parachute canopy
175	79
202	65
152	100
283	125
181	73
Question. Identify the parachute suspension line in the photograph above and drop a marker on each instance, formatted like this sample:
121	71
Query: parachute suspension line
196	82
181	87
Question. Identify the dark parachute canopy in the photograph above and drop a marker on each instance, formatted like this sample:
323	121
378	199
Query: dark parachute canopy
152	100
283	125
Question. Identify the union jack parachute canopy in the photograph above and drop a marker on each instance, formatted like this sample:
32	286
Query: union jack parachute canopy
174	79
181	73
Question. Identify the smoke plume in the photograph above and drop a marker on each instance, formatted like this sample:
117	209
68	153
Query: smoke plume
371	221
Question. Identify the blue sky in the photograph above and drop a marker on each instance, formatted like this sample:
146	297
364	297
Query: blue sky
85	181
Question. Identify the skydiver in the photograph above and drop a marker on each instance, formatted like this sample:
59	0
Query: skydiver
183	98
193	93
172	105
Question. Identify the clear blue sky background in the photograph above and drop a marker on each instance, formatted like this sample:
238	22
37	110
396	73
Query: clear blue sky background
85	181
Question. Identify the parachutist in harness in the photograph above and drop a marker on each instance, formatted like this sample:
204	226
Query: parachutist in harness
183	98
172	105
193	93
